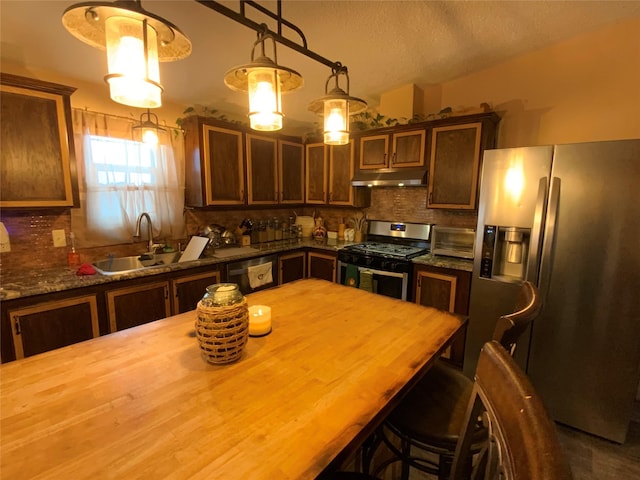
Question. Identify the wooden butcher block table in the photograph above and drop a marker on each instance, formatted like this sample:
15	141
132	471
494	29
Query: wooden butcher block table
142	403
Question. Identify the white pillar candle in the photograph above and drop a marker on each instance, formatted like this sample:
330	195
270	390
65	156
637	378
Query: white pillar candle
259	320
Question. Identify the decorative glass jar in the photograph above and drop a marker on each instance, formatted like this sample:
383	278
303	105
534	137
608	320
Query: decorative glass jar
222	323
319	231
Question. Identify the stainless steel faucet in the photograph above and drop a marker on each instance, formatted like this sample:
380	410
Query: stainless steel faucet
150	247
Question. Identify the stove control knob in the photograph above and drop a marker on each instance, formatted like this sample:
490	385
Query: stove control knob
386	265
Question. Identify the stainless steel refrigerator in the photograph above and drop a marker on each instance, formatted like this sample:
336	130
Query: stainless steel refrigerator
566	217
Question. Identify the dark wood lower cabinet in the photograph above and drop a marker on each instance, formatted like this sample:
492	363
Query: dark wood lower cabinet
188	290
322	265
131	306
445	289
291	266
32	325
49	325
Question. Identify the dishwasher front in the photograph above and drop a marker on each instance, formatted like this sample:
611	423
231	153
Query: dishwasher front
254	274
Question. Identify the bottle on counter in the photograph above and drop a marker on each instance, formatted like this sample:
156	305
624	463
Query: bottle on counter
319	230
271	234
262	232
73	257
277	229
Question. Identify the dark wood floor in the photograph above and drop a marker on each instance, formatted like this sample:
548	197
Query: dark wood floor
595	458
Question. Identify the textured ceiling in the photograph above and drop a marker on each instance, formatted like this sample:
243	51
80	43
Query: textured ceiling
384	44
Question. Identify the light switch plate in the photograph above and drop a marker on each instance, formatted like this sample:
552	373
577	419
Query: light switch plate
59	238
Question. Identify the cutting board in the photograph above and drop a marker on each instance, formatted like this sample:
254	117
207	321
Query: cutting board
194	249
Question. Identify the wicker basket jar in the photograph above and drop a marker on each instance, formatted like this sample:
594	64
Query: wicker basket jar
222	323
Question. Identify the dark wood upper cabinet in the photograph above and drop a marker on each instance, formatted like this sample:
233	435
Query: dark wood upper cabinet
455	160
402	148
329	173
37	166
214	163
340	173
262	179
275	170
291	171
317	169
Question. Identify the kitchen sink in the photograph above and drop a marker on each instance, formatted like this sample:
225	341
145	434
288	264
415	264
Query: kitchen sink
114	265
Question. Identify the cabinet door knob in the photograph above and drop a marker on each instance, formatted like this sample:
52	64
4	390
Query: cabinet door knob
17	324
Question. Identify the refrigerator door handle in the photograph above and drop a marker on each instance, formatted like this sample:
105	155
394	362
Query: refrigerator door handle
536	232
549	236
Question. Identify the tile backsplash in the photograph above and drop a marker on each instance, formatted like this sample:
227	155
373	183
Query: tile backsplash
32	243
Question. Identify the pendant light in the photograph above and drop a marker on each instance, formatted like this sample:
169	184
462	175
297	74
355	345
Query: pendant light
336	106
148	128
265	81
135	41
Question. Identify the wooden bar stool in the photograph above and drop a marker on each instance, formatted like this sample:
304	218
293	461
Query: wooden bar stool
429	419
522	441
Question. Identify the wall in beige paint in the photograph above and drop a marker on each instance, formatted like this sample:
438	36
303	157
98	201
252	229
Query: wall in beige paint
583	89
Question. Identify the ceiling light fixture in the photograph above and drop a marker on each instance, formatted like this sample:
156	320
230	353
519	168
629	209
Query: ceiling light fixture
123	27
265	81
135	41
148	128
336	106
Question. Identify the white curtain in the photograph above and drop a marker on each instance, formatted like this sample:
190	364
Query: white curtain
120	178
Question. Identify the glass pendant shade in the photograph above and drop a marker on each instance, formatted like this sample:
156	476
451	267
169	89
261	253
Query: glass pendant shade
265	81
336	106
336	122
265	108
148	130
150	136
132	57
135	41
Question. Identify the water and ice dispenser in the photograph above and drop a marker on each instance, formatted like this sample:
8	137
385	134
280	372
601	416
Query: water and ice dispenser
504	253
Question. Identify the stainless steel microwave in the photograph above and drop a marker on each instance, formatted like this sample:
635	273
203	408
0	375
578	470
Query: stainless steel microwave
452	241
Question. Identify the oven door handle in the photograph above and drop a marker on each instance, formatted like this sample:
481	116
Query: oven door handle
383	272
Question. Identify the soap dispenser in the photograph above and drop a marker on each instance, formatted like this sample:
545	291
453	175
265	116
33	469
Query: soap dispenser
73	257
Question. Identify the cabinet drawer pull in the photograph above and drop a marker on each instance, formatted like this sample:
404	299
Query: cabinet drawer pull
17	324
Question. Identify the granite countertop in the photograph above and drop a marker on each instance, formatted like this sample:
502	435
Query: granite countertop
57	279
445	262
64	278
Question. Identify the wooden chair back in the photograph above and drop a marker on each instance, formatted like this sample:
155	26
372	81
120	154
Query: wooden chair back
522	442
510	327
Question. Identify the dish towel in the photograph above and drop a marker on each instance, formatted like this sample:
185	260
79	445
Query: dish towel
260	275
366	280
351	276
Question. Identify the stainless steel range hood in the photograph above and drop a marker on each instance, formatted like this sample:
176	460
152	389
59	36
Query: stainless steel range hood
396	177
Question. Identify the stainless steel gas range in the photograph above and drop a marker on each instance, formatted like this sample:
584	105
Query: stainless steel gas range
382	264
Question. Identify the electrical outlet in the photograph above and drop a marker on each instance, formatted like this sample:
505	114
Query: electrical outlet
59	238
